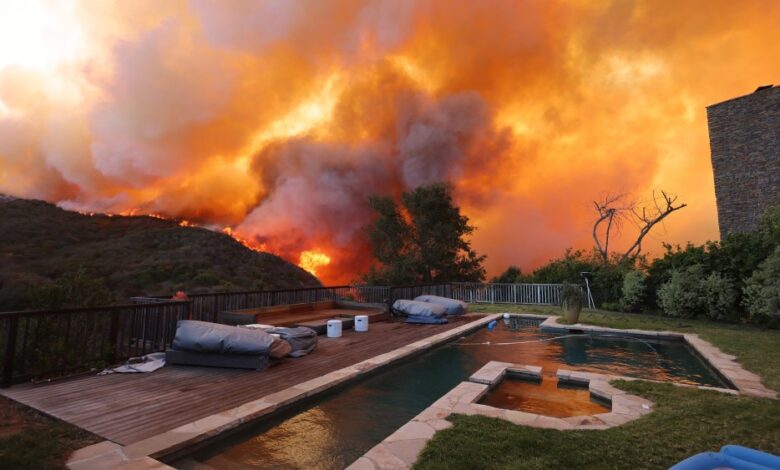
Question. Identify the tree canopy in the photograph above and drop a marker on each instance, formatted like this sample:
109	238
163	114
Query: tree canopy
424	239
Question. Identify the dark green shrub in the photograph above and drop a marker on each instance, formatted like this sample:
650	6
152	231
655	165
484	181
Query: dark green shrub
634	291
720	297
681	295
612	306
762	292
606	279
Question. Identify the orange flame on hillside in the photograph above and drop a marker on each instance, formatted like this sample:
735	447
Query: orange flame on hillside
261	247
312	260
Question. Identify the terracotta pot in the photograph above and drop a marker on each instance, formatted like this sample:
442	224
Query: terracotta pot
572	313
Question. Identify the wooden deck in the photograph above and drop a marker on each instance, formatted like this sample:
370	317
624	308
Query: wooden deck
126	408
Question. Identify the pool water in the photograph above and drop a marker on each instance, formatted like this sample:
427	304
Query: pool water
336	429
546	397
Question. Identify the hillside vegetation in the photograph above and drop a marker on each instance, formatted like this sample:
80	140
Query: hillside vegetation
45	248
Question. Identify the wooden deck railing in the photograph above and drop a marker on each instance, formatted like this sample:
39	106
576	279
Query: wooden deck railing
45	344
38	345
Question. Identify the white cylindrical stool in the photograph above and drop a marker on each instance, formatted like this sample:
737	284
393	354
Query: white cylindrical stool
361	323
334	328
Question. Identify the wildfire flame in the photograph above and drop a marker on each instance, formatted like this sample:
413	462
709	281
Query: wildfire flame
312	260
260	247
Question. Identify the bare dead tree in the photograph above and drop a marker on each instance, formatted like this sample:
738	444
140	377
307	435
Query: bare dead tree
612	210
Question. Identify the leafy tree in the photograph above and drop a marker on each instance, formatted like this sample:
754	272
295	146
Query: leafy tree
566	268
606	278
424	240
512	275
72	289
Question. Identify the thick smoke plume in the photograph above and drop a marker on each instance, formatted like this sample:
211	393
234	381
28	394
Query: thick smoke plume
279	118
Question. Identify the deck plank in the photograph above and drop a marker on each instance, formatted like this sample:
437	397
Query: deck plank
126	408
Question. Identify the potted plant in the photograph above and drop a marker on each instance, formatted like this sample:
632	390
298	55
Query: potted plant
571	302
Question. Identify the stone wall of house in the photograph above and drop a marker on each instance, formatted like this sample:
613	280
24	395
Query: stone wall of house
745	148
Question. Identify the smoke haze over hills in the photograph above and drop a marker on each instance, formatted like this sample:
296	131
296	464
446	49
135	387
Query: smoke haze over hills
279	118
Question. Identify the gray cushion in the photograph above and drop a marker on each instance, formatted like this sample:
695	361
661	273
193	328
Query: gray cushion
426	309
454	307
205	337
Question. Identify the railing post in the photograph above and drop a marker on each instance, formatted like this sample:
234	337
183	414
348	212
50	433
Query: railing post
390	300
10	351
114	335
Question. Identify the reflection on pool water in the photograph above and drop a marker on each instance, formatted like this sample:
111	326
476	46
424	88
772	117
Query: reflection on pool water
342	425
546	397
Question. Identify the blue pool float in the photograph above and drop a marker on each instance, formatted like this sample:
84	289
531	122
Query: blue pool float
491	325
731	456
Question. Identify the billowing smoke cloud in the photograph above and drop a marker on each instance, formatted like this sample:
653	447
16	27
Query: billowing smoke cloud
280	118
318	191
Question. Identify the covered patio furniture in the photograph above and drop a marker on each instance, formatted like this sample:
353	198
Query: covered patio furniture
201	343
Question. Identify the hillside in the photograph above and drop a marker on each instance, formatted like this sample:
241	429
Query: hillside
139	255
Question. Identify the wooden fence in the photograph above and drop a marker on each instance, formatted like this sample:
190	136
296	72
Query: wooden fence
39	345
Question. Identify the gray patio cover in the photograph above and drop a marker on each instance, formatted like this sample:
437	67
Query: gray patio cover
420	309
303	340
205	337
454	307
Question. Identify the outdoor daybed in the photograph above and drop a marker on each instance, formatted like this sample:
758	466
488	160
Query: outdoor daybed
313	315
199	343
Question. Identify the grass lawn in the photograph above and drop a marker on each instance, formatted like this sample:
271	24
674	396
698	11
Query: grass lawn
30	440
685	422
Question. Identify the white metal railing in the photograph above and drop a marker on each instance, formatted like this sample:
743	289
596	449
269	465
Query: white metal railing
530	294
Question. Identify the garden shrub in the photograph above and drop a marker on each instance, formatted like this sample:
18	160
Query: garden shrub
720	297
612	306
681	295
634	290
762	292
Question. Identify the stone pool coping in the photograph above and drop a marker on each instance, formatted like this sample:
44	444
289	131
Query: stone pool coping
401	449
744	381
143	454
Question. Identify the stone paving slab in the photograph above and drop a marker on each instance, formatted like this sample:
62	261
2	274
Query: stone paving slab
142	454
108	455
494	372
406	443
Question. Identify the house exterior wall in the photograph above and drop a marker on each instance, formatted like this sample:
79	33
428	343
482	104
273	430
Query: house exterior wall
745	149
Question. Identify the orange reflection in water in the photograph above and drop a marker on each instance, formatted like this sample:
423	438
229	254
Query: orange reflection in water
544	397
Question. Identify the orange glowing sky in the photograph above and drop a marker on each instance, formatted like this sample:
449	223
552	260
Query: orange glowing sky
278	118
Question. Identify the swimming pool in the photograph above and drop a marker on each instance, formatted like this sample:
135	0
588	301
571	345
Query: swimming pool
342	425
